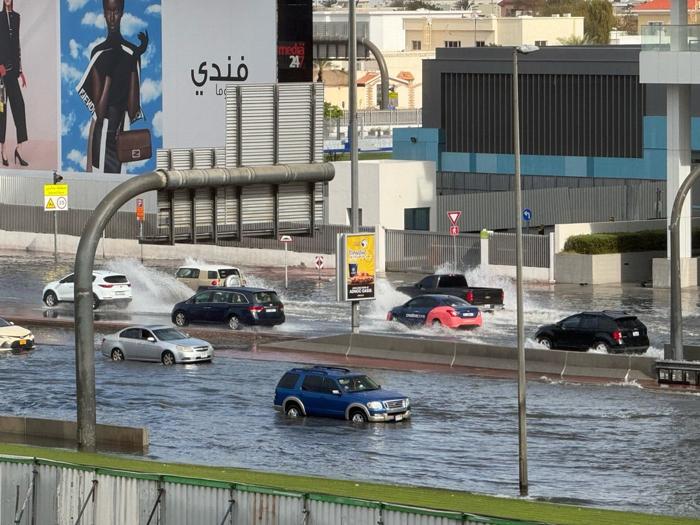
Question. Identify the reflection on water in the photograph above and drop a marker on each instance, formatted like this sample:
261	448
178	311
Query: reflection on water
586	443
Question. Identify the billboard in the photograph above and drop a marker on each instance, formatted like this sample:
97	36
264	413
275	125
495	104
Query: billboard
294	41
206	47
111	86
356	268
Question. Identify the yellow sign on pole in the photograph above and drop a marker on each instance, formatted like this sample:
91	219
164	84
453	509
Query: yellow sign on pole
358	266
55	190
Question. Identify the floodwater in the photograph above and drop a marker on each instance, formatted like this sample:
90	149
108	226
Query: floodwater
614	446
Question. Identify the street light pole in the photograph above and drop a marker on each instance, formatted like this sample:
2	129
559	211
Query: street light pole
352	137
522	378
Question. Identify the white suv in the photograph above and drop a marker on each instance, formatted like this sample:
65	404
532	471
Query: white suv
107	287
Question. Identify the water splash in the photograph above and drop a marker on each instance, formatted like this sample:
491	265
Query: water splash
153	291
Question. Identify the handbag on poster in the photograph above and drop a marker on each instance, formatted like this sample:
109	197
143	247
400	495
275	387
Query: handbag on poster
3	96
134	145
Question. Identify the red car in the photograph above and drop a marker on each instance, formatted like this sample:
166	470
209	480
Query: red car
436	310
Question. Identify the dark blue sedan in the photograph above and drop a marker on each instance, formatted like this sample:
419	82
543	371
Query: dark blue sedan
437	310
232	306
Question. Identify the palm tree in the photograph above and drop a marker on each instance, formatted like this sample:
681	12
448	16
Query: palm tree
322	64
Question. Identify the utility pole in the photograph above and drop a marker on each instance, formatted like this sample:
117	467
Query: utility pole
352	136
56	179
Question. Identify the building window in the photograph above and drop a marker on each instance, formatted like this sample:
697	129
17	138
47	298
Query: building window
416	219
480	43
541	43
359	216
453	43
416	45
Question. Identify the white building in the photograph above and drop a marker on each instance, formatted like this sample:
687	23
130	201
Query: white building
395	194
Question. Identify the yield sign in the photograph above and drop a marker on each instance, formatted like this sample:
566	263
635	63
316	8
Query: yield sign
454	217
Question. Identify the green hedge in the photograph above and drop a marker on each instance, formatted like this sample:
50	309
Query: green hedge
621	242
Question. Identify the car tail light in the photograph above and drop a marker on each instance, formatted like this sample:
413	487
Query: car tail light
389	316
256	308
105	286
617	336
469	297
452	312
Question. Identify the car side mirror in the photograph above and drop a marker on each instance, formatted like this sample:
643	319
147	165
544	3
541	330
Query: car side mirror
12	324
151	339
336	392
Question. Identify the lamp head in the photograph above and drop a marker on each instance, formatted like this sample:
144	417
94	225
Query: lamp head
526	49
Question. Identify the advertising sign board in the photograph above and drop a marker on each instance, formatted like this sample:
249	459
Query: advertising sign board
356	270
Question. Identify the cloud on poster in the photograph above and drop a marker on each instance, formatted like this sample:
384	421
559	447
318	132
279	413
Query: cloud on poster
74	5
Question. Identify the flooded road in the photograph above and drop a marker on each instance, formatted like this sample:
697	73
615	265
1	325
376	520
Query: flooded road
613	446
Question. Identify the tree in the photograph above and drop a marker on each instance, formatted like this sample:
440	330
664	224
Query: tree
559	7
599	21
331	110
322	64
464	5
413	5
574	40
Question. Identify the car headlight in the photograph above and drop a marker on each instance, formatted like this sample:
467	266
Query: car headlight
408	402
375	405
182	348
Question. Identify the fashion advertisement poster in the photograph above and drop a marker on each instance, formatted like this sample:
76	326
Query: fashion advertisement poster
29	91
111	85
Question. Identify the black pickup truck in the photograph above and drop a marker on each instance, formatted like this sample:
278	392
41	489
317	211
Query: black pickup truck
455	284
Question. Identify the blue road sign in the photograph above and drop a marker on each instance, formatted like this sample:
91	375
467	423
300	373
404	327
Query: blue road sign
527	214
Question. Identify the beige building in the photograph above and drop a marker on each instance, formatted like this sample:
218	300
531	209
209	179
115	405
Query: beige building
658	12
402	94
429	33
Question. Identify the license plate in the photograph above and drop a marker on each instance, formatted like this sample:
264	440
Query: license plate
398	417
121	293
635	333
467	314
22	342
271	309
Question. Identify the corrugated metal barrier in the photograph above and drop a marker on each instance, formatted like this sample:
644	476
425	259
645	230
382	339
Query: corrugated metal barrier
424	251
68	494
535	250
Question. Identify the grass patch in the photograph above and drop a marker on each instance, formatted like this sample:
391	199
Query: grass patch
438	499
362	155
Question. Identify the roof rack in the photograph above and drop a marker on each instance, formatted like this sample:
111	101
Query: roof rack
325	367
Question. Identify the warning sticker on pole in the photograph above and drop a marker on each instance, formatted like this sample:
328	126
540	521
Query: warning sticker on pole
55	203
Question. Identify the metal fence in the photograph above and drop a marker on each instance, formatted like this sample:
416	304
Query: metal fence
535	250
41	491
424	251
494	210
383	117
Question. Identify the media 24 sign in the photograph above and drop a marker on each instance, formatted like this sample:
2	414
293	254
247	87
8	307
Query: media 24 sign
355	266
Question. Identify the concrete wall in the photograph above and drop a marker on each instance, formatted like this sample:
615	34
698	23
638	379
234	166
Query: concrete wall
386	187
552	363
40	242
108	436
606	268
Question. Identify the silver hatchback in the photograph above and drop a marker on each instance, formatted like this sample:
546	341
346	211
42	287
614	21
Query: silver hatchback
155	343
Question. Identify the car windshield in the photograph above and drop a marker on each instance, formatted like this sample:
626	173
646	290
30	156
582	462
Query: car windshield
628	323
357	383
4	323
266	297
455	301
169	334
116	279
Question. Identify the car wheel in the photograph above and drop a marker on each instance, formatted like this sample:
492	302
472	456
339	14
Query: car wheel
181	319
50	299
234	323
358	416
601	346
95	302
546	342
436	323
167	358
117	355
122	304
293	410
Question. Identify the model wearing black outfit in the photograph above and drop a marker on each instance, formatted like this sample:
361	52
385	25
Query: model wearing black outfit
11	73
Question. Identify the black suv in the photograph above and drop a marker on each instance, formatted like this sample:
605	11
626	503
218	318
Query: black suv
232	306
605	331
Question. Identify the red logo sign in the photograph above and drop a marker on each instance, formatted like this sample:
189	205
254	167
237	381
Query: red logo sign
454	217
140	211
454	230
319	262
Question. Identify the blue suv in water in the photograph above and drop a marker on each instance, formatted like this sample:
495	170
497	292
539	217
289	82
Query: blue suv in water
338	392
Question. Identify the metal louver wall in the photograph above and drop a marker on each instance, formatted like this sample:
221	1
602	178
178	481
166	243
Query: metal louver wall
295	204
258	213
274	124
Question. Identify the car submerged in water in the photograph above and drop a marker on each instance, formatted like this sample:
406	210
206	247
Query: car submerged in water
437	310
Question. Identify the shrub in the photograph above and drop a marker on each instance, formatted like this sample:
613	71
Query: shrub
620	242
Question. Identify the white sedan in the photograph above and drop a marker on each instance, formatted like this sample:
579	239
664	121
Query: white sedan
15	337
155	343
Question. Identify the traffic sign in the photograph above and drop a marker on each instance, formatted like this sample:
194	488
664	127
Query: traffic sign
55	203
454	230
140	211
318	261
527	214
55	190
286	238
454	217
